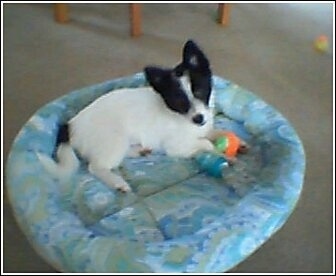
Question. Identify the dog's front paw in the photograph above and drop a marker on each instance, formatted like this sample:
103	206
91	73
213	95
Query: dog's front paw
137	151
205	145
145	151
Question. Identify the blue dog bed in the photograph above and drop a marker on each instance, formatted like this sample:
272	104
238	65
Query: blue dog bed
177	219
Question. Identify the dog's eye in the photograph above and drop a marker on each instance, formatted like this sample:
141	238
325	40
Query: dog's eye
180	104
201	87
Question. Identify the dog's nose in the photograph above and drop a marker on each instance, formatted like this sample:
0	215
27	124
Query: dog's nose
199	119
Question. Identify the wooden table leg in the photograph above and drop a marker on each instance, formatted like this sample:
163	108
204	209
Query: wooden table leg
61	13
135	18
223	14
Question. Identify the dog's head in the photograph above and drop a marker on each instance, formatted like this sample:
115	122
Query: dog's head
186	89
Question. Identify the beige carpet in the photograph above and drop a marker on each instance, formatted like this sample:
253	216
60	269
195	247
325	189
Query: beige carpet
267	48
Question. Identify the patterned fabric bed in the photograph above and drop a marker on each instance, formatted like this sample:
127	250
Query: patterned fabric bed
177	219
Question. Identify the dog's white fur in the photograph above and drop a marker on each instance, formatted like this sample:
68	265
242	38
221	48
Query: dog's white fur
122	123
125	121
126	118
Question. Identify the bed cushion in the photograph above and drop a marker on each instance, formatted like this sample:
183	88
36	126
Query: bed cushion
177	219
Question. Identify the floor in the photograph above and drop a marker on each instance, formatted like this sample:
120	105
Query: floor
267	48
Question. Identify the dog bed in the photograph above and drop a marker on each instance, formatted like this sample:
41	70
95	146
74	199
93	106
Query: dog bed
177	219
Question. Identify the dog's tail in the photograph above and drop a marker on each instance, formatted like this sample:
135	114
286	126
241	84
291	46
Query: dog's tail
68	162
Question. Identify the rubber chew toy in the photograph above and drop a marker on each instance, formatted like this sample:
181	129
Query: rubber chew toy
212	163
229	144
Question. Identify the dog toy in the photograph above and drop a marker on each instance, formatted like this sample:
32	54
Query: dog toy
229	144
321	43
212	163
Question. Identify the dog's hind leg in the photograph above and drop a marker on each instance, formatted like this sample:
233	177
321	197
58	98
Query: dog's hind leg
109	178
102	165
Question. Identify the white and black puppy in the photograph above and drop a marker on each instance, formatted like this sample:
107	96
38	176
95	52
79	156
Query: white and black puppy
171	114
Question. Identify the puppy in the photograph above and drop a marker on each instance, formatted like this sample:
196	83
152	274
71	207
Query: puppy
171	114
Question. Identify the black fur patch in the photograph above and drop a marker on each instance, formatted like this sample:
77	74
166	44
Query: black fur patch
166	83
196	64
63	134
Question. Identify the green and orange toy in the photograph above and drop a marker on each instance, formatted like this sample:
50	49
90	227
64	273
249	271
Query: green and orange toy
230	144
227	145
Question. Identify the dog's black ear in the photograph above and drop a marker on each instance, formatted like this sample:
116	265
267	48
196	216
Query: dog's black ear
197	65
155	76
193	57
165	82
162	80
